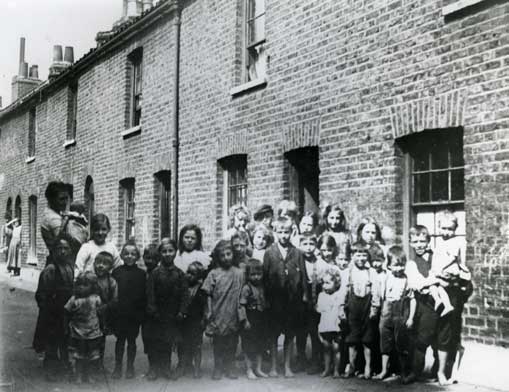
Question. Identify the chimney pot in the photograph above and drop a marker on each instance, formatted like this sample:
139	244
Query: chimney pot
21	56
23	70
57	53
132	8
34	72
69	54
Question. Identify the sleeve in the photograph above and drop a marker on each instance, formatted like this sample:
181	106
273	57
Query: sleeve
303	277
44	287
117	261
415	280
70	305
319	303
151	300
243	301
114	293
376	295
209	284
186	298
81	260
266	270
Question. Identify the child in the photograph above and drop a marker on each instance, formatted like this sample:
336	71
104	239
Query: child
307	225
289	209
151	257
254	319
262	238
264	216
190	248
240	244
193	325
330	307
315	269
223	286
167	303
362	304
76	227
334	223
327	246
85	331
99	228
369	233
285	281
53	292
108	292
239	220
396	318
378	266
130	309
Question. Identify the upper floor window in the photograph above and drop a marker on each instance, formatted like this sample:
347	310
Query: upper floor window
72	112
256	59
135	87
32	125
127	197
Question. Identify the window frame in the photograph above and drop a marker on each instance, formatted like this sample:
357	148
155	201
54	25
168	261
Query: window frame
164	203
32	133
32	230
72	114
135	99
128	187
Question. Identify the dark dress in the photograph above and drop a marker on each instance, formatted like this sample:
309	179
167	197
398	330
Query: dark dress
254	340
129	311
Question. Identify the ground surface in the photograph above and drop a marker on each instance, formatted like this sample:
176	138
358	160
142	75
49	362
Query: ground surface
21	369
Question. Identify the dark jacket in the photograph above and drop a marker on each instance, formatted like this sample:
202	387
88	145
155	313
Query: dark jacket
132	288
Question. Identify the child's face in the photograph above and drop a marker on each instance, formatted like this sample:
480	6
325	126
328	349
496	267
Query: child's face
447	228
255	276
327	253
259	240
190	240
368	233
397	269
308	247
283	234
62	251
150	262
129	255
419	243
267	219
306	225
360	259
334	220
193	275
342	261
240	220
226	258
102	266
168	253
328	284
239	247
100	233
377	265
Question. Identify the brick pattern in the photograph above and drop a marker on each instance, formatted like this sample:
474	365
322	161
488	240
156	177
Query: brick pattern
236	143
299	135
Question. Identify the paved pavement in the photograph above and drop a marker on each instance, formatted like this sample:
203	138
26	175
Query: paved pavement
21	369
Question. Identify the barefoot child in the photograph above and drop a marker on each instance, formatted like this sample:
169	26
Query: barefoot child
286	291
398	311
254	319
223	286
330	306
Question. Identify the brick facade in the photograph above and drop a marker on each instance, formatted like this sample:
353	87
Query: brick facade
349	77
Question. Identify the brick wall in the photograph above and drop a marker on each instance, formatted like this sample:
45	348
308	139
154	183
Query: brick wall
349	77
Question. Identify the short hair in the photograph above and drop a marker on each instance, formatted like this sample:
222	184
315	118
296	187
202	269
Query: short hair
328	208
166	241
376	253
287	207
360	247
98	220
86	278
77	207
369	221
282	221
241	235
261	211
199	266
334	272
418	230
253	264
221	246
151	251
396	254
308	236
448	215
54	188
197	231
235	209
327	240
105	256
131	243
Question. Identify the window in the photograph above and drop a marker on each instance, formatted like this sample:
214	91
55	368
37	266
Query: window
435	177
89	198
32	120
163	197
234	171
302	170
135	87
8	210
17	208
128	205
255	56
32	234
72	112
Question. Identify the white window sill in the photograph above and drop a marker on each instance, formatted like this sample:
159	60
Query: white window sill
69	143
29	159
32	261
248	86
458	5
131	131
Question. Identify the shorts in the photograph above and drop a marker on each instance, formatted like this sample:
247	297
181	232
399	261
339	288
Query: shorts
331	337
361	330
86	349
393	332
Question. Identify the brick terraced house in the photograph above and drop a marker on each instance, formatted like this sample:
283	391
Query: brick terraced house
393	108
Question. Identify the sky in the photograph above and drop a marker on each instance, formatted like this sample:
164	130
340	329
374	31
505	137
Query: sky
45	23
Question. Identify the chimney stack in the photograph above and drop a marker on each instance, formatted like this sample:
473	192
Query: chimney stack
69	55
60	61
23	83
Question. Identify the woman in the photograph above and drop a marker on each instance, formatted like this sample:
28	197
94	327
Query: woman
13	262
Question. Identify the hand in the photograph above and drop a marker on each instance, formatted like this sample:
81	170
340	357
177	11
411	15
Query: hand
247	325
409	323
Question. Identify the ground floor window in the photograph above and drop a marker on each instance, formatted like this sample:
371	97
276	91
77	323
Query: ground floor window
234	183
163	197
32	233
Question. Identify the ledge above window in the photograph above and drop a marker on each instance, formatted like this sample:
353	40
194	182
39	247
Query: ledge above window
243	88
30	159
69	143
131	131
454	6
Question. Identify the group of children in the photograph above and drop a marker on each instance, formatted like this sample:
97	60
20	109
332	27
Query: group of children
275	277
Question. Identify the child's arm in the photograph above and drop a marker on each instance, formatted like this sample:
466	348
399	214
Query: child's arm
152	310
303	278
185	299
413	305
375	295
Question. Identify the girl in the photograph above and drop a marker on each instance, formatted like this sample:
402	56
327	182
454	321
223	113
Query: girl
190	248
327	247
239	220
262	239
13	259
330	306
223	286
99	229
369	234
253	319
167	303
53	292
130	309
85	331
308	224
334	223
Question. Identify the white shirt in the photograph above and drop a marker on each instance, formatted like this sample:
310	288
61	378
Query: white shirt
184	259
329	305
444	253
88	251
319	267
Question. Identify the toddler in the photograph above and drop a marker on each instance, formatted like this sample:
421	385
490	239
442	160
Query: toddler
396	317
85	331
254	319
330	307
223	286
130	309
76	226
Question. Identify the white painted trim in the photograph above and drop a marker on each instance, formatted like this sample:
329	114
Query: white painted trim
30	159
458	5
69	143
248	86
130	131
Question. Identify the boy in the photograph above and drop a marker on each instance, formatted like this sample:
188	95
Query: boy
240	244
286	291
315	270
378	264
